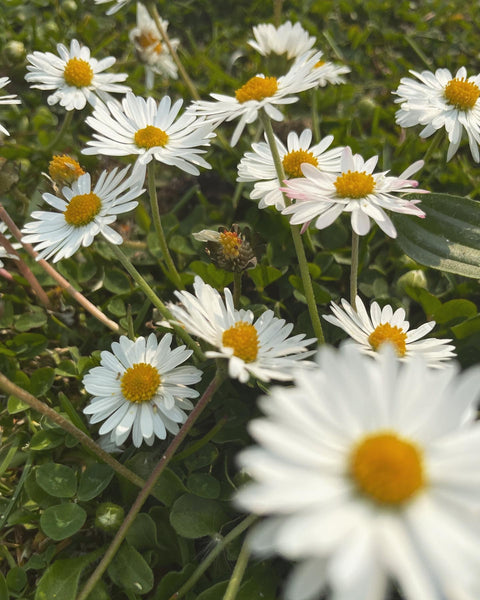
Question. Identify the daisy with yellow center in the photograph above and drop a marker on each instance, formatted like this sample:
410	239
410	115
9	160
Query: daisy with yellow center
258	166
140	388
437	100
362	480
322	197
83	211
76	77
260	348
371	332
64	169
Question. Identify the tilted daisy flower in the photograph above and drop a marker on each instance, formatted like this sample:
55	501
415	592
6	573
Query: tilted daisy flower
367	472
76	77
141	388
258	166
260	92
440	100
329	73
4	253
323	196
140	126
371	331
85	211
258	347
8	99
289	38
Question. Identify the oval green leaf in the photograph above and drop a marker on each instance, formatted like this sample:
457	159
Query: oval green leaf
62	521
194	517
93	481
57	480
130	571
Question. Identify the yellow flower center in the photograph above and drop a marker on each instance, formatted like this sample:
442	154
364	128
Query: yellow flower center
150	136
257	88
140	382
461	94
231	243
147	39
78	73
82	209
386	333
294	160
387	468
243	338
319	64
354	184
64	169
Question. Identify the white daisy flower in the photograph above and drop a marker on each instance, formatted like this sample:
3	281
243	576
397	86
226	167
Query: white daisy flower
3	251
356	189
371	331
141	388
142	127
261	92
9	99
76	77
258	166
440	100
86	211
150	48
261	348
368	472
288	38
329	73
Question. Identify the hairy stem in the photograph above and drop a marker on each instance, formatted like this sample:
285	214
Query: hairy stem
354	268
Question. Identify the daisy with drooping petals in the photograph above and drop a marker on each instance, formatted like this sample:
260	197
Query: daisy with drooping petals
258	166
439	100
261	348
142	127
9	99
76	77
329	73
371	331
367	472
86	211
288	38
324	196
140	387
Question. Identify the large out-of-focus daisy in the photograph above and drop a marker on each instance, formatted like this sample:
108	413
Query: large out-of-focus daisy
368	473
290	39
258	347
439	100
150	48
371	331
140	387
322	196
8	99
140	126
76	77
258	166
85	211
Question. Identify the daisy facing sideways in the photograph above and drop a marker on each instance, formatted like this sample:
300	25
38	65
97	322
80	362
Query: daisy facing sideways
76	77
437	100
290	39
9	99
321	197
367	472
371	331
260	348
141	388
85	211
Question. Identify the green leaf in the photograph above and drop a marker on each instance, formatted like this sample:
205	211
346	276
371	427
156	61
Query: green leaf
203	457
28	345
41	380
215	592
448	238
47	439
116	281
15	405
130	571
143	532
62	521
168	488
467	328
454	309
16	579
263	275
217	278
204	485
173	581
93	481
60	580
57	480
3	588
193	517
29	321
36	493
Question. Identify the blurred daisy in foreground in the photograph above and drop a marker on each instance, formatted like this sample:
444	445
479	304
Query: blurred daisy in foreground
76	77
368	474
382	325
258	166
140	387
86	211
440	100
117	5
288	38
258	347
150	48
9	99
140	126
3	251
356	189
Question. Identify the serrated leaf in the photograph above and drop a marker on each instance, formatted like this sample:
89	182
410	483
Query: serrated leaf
130	571
57	480
62	521
193	517
93	481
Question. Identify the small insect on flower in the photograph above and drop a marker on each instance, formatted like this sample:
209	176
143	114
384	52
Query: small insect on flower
229	250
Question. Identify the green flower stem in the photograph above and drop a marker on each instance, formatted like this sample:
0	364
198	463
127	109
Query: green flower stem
152	191
67	121
315	119
155	300
238	572
152	480
435	141
192	448
297	238
237	288
205	564
277	12
354	267
12	389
